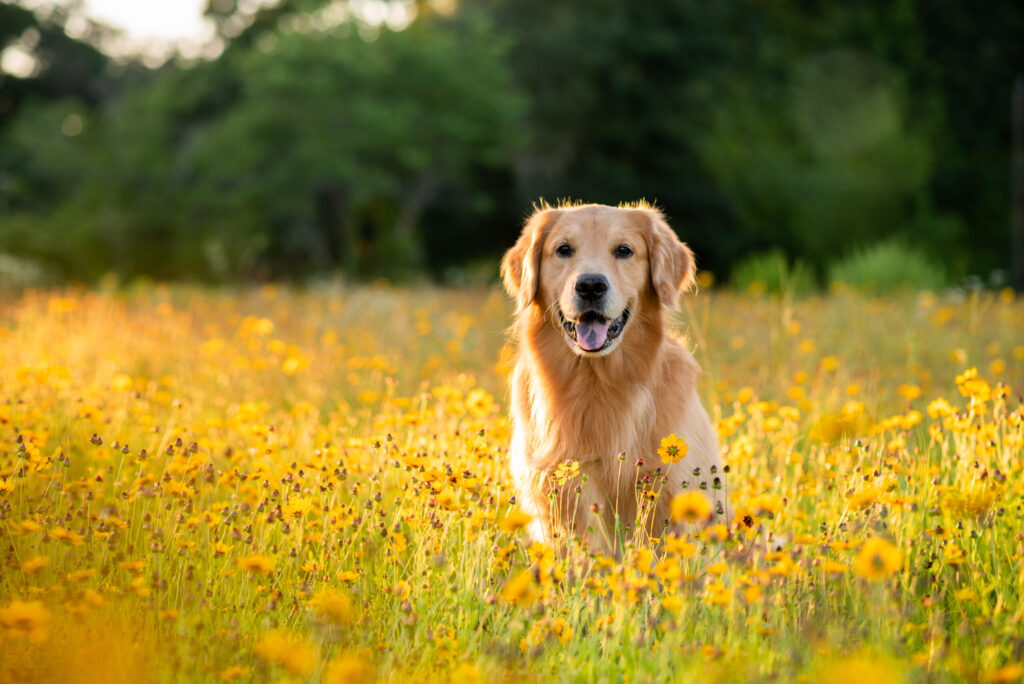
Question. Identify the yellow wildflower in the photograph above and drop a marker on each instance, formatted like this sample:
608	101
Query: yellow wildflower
333	607
690	507
26	618
673	449
479	403
515	521
1007	673
349	668
680	546
256	564
295	654
233	672
35	564
672	603
566	471
520	590
878	559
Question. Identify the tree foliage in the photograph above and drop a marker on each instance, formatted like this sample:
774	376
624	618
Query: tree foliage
320	142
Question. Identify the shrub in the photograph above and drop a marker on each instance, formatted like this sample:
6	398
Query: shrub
771	272
887	267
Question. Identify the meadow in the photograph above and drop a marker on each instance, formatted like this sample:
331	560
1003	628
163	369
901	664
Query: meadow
278	484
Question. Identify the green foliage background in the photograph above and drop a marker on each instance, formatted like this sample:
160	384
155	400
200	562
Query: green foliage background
313	147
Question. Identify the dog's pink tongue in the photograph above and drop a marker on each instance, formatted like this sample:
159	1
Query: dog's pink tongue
592	335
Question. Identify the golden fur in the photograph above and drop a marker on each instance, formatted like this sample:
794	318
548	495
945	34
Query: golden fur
608	410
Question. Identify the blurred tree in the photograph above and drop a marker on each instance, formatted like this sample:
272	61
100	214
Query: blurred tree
57	85
322	140
818	127
969	60
822	160
61	66
315	149
337	145
616	91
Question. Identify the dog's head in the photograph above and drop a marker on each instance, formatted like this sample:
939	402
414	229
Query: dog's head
592	268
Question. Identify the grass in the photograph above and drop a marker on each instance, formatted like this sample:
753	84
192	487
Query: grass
204	485
887	267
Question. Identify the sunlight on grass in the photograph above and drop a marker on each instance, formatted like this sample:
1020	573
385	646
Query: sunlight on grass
275	483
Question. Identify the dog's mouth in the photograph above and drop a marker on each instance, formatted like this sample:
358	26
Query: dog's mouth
593	332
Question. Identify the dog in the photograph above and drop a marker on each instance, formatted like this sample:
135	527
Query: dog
599	380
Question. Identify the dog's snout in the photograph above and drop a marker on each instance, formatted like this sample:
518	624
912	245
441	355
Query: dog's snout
591	286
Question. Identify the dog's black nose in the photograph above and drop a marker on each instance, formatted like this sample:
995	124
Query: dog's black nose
591	286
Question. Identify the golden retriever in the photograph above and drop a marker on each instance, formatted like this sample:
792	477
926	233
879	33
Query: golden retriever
599	379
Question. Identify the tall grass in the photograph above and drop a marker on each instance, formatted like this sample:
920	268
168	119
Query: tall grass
230	486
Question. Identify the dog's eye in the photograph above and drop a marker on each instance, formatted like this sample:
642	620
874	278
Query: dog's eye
623	252
563	250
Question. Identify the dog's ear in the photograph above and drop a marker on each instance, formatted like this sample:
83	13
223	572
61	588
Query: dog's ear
520	268
672	265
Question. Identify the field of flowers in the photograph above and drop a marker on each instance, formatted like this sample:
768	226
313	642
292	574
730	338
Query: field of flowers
310	485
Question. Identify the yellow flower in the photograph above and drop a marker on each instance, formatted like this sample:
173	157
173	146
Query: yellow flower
291	652
718	594
680	546
690	507
26	618
132	566
672	603
566	471
541	554
298	507
349	668
139	586
909	392
446	500
1007	673
783	567
520	589
94	598
28	526
81	575
952	555
68	536
862	667
35	564
831	566
293	364
967	594
234	672
261	326
878	559
333	607
348	576
479	403
668	570
561	630
673	449
515	521
399	542
256	564
718	568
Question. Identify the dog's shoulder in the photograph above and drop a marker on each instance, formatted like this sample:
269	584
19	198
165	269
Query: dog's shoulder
677	356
